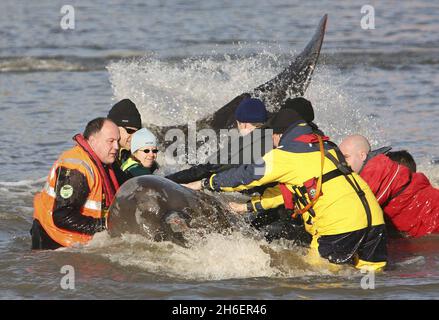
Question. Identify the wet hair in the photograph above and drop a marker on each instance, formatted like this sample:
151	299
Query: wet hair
94	126
404	158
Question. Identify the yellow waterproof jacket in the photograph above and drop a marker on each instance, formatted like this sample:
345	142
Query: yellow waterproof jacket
339	208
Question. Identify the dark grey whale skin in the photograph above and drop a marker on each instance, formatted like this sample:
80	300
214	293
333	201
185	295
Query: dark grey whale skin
291	82
162	210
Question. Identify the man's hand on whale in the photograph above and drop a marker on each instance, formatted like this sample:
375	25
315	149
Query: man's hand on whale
196	185
234	206
238	207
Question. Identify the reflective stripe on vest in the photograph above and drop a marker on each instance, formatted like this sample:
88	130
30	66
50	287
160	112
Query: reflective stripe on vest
49	190
89	204
78	161
128	164
93	205
44	202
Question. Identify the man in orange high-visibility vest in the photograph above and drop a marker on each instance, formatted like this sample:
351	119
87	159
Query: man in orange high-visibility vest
74	202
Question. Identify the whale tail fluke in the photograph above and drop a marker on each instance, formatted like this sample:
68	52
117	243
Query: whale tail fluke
291	82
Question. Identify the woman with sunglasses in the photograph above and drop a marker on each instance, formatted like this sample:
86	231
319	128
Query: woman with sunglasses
143	154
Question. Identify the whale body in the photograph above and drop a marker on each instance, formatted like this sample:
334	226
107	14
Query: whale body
162	210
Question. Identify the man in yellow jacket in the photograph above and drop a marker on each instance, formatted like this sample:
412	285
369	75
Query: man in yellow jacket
338	209
73	204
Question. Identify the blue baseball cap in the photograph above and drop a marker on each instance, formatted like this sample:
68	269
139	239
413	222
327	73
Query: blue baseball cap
251	111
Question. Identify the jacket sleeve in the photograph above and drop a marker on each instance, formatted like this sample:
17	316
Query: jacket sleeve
248	176
71	194
139	170
194	173
271	198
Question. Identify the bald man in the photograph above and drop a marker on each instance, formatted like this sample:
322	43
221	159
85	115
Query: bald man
408	199
355	149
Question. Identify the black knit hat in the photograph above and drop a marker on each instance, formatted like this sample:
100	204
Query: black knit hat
125	114
302	106
283	119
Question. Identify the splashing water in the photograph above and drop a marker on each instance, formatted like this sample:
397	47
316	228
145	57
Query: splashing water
171	94
213	257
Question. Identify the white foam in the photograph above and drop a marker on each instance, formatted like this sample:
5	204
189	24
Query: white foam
213	257
19	191
22	183
38	64
170	94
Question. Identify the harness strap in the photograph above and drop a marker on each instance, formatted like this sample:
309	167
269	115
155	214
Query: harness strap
340	164
299	198
331	175
292	200
313	201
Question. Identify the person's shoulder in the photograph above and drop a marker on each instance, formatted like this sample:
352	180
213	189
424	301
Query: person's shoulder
73	152
138	170
380	160
421	179
378	165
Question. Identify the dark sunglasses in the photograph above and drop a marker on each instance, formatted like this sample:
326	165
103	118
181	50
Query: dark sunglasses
129	130
148	150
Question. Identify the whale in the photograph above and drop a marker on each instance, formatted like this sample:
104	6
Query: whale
291	82
162	210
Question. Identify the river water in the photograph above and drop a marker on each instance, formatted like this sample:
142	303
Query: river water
182	60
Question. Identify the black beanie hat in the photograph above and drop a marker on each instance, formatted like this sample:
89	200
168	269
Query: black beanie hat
302	106
283	119
125	114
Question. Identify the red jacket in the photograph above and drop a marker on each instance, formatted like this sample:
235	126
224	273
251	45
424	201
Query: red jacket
415	210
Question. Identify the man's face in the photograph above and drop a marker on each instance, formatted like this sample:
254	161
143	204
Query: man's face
125	136
354	157
244	128
105	143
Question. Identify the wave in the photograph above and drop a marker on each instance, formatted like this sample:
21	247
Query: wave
60	63
341	59
387	60
213	257
23	183
29	64
168	93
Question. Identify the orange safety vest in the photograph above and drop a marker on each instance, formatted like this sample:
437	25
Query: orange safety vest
74	159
